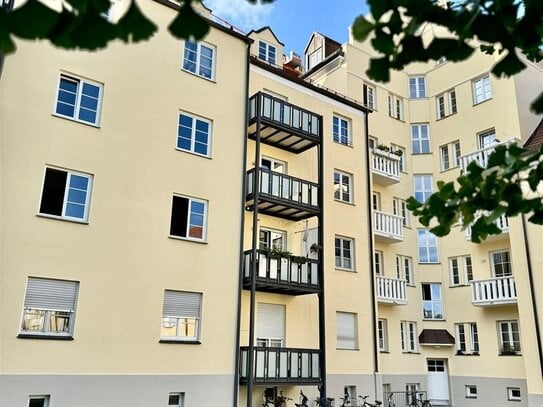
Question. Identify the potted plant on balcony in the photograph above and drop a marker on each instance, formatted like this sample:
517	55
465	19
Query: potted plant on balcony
298	259
278	253
382	147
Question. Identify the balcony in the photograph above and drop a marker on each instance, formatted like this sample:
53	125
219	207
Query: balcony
282	196
282	124
281	275
388	228
502	222
275	366
481	156
391	291
493	292
385	167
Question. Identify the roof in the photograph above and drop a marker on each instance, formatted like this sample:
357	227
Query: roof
536	138
436	337
337	53
264	29
326	39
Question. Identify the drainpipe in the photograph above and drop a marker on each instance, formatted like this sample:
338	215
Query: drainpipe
322	302
242	231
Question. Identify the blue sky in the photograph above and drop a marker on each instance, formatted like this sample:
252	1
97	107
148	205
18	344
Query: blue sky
293	21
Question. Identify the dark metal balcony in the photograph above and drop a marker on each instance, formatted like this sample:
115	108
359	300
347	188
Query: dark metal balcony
282	124
282	195
290	276
275	366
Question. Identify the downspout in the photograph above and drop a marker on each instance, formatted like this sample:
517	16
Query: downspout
7	5
242	232
533	294
371	255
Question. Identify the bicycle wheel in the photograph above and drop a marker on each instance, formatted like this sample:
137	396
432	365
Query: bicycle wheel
426	404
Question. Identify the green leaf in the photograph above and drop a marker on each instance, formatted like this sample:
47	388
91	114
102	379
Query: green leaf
379	7
188	24
383	43
93	31
537	105
42	19
379	69
509	65
361	28
7	46
134	26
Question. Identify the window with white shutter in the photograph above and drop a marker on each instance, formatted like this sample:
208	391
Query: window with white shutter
346	330
181	316
270	325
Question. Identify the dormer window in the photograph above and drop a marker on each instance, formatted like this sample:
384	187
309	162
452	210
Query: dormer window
267	52
314	58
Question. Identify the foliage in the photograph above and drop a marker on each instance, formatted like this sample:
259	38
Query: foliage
503	26
508	186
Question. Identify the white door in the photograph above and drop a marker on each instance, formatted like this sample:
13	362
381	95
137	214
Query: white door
438	382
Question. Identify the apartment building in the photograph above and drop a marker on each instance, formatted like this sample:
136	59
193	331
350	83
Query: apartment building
455	319
190	223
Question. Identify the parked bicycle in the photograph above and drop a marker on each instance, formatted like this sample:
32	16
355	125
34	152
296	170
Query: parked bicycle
418	401
324	402
281	401
304	401
346	400
390	401
365	403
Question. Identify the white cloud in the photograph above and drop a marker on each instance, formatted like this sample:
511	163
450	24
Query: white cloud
241	13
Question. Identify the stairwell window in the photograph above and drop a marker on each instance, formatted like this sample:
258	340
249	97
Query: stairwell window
446	104
49	308
368	96
422	187
65	195
420	139
189	217
481	89
417	87
341	130
344	251
181	316
199	59
194	134
395	106
343	185
427	243
267	52
79	99
432	305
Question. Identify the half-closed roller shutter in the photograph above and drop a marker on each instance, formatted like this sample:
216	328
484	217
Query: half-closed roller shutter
48	294
182	304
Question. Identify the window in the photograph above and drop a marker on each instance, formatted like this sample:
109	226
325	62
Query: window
402	155
432	306
420	139
372	142
509	337
343	186
270	325
501	264
467	338
376	201
314	58
404	269
188	218
471	391
417	87
446	104
460	270
272	239
66	194
266	52
423	187
448	162
181	316
378	261
346	330
194	134
176	399
79	99
399	208
487	139
427	243
341	131
38	401
344	253
368	96
408	336
199	59
383	335
49	307
481	89
513	394
395	106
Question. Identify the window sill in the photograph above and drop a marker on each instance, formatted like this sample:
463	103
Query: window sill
433	319
212	79
426	153
193	153
350	145
344	269
450	169
384	351
447	115
46	336
45	215
344	202
410	352
187	239
510	354
481	102
178	341
96	126
428	263
351	349
461	353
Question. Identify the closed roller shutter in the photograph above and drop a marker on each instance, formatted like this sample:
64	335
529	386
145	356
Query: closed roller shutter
42	293
271	321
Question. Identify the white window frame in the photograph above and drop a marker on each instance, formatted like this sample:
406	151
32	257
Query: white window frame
435	304
66	200
467	337
267	51
343	259
343	124
368	96
340	187
424	188
180	321
404	269
417	87
382	329
408	336
269	245
80	82
395	106
446	104
45	398
403	160
399	208
510	332
452	153
471	391
181	399
464	270
513	397
420	139
195	119
343	339
378	261
482	89
428	238
188	220
314	58
504	264
197	63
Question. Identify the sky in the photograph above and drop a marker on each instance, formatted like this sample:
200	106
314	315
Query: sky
292	21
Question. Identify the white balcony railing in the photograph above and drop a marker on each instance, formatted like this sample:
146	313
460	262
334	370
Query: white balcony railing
494	291
391	290
502	222
385	167
481	155
388	227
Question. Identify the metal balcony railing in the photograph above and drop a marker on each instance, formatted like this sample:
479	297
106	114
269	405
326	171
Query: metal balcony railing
391	290
388	226
385	167
281	365
494	291
481	156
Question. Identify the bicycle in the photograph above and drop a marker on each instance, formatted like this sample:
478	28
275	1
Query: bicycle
281	401
390	401
303	400
418	402
366	404
324	402
346	400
